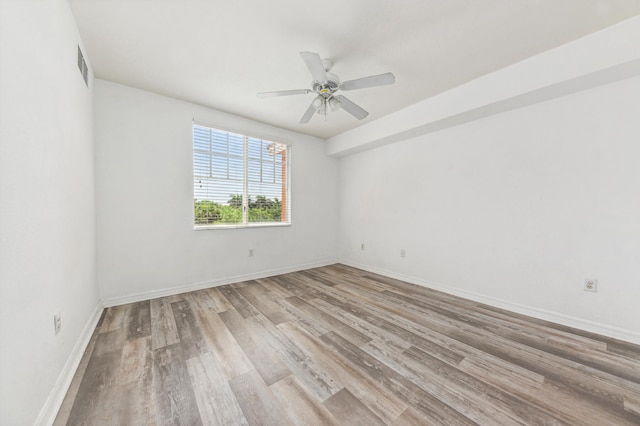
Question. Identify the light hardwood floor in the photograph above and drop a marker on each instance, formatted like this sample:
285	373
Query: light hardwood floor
338	345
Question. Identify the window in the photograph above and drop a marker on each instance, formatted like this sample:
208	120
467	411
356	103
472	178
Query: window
239	180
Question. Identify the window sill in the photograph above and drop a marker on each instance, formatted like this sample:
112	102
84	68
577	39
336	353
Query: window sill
252	225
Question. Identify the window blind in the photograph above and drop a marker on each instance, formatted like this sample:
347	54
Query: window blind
239	180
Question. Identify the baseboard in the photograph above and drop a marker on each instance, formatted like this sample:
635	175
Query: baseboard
558	318
154	294
53	403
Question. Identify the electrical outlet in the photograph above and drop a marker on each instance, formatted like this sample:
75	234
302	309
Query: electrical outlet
403	253
250	252
57	322
362	246
590	284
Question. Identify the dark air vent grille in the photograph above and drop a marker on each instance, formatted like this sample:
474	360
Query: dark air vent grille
82	66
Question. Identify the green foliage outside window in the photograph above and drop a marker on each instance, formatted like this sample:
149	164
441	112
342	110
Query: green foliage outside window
262	209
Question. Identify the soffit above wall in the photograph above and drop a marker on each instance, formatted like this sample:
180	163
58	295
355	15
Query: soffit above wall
594	60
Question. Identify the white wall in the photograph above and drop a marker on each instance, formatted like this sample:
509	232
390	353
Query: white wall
146	243
47	232
515	209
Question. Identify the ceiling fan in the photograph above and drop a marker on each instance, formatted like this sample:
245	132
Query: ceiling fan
325	84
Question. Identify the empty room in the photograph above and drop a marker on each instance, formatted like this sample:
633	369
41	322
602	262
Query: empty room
319	213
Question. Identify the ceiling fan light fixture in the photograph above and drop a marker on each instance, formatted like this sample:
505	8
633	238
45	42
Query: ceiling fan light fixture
318	102
334	104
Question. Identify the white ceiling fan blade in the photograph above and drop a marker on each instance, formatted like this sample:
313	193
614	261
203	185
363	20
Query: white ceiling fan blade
308	114
371	81
314	63
351	108
283	93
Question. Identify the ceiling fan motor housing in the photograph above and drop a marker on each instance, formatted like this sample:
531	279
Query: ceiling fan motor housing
327	88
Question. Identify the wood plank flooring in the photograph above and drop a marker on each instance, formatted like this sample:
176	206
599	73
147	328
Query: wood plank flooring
341	346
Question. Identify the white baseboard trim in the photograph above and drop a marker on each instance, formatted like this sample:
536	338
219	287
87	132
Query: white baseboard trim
53	403
154	294
558	318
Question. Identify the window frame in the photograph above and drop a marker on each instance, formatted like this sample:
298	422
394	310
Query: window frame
286	199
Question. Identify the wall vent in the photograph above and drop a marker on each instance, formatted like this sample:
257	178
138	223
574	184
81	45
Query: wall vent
82	66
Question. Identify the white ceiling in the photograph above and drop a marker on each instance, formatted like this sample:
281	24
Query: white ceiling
220	53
